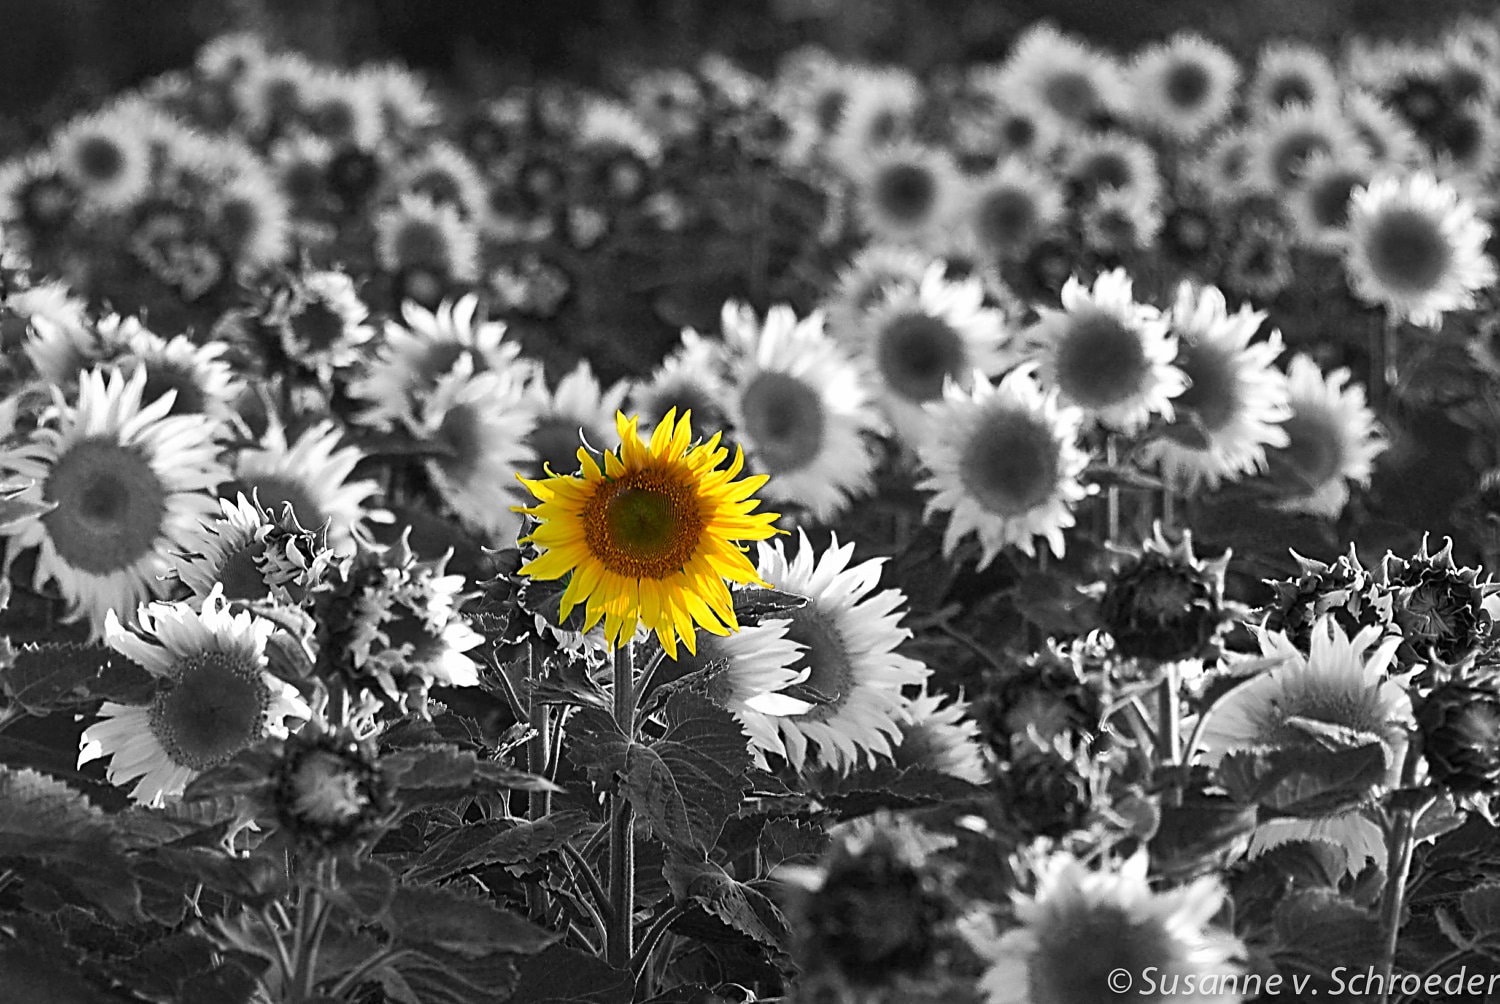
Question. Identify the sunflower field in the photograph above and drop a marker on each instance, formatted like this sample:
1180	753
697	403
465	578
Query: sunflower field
1014	533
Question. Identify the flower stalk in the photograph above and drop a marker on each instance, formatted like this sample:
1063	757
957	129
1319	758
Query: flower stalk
620	942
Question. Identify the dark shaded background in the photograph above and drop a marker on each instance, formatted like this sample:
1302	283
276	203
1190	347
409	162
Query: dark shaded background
59	55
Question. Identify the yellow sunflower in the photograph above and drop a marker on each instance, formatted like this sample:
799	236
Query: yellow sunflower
648	539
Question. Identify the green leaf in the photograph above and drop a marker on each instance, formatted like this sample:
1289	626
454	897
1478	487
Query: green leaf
889	787
42	817
437	977
436	774
1481	907
1305	782
688	782
494	841
48	677
1322	929
789	842
253	879
735	904
598	747
562	975
365	889
447	919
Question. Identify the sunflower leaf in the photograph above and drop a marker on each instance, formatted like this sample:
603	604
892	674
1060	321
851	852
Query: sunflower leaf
494	841
1305	782
737	905
48	677
444	918
563	975
754	603
688	782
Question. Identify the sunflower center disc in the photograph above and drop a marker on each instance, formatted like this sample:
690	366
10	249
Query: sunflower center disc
643	526
100	159
1009	464
1289	90
110	506
214	709
1314	451
831	674
239	575
1006	219
916	352
462	442
1100	362
319	326
906	193
785	420
1407	251
1187	84
1070	94
1212	398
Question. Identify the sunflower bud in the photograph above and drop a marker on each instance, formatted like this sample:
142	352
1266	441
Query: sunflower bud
1438	606
1460	725
1167	605
329	791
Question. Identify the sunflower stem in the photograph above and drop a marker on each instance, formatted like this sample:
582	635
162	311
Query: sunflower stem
1400	843
538	803
620	945
1112	493
1169	749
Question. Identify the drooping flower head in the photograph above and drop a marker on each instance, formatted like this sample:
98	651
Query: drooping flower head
1107	354
1007	465
213	697
252	554
850	632
408	633
130	484
1167	604
647	538
1235	400
311	474
1081	926
1416	247
800	408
